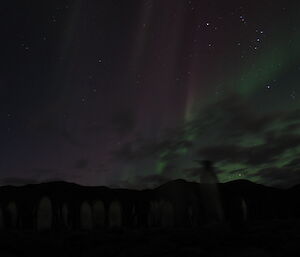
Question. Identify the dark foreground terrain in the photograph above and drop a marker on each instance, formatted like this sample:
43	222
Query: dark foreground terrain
178	218
268	238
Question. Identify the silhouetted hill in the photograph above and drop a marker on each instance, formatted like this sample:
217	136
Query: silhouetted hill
186	202
171	218
240	183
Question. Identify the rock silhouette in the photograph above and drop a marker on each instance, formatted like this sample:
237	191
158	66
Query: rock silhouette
99	214
167	214
115	215
65	215
1	219
65	219
44	214
12	213
178	203
86	219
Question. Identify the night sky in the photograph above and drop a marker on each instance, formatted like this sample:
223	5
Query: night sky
130	93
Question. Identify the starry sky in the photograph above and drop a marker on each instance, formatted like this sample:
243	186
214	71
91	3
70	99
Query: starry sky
130	93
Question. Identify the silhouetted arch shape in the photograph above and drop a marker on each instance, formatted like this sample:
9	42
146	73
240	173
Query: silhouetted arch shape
1	219
115	215
13	214
44	214
167	214
244	210
192	216
134	215
99	214
65	215
193	211
86	219
154	214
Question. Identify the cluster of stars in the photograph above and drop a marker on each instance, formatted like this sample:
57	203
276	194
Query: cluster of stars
243	20
253	45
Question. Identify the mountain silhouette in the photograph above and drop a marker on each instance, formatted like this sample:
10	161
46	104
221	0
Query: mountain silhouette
186	203
66	219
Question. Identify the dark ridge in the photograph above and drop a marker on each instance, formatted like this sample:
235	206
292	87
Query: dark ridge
247	184
295	188
187	200
174	182
62	184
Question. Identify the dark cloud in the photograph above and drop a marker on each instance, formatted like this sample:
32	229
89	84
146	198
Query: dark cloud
44	173
152	180
102	168
232	117
144	149
236	120
292	116
37	171
240	117
142	182
81	164
71	139
284	177
273	147
292	128
127	152
123	121
195	172
53	179
48	124
170	170
191	172
230	153
294	163
17	181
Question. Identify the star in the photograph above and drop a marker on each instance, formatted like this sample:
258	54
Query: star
293	95
242	19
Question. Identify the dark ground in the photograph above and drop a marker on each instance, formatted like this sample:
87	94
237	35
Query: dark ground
271	238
